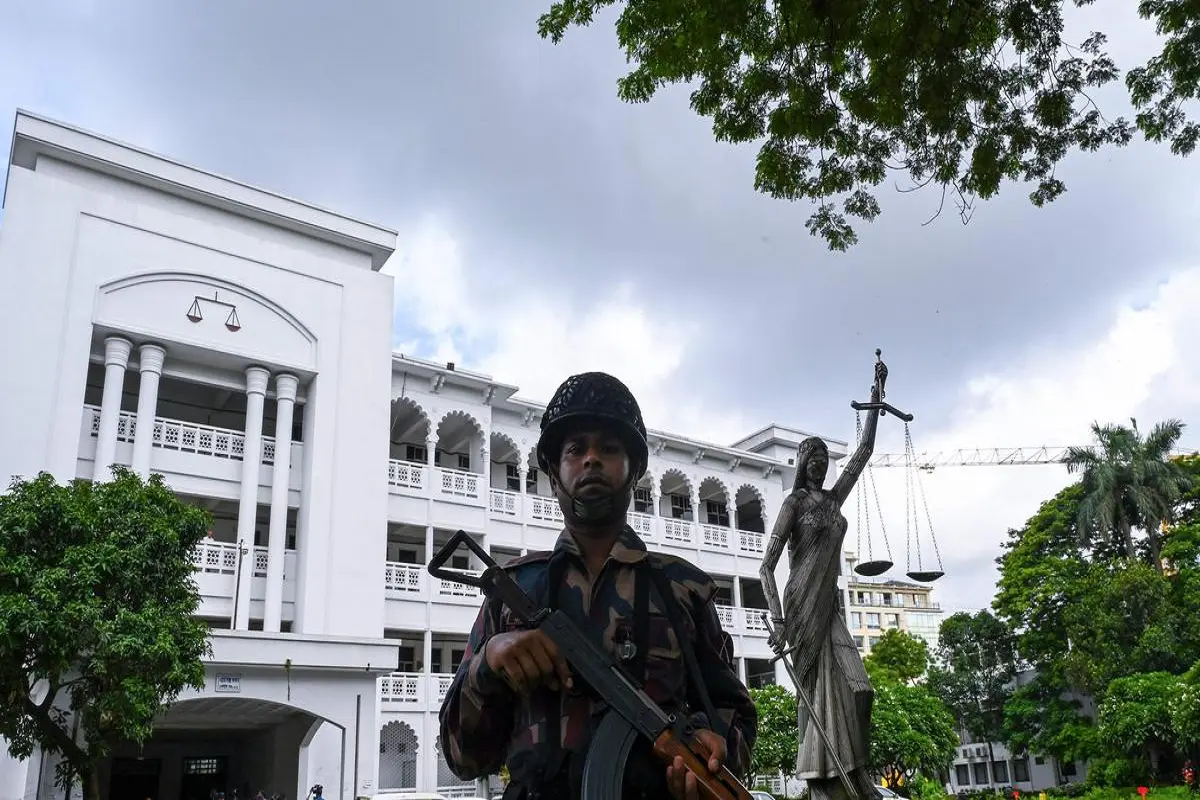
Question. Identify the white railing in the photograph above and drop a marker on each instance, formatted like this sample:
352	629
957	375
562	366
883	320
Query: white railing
750	542
441	685
726	615
677	530
459	484
454	589
715	536
406	474
403	578
642	524
753	621
544	509
400	687
462	791
406	687
221	558
505	503
186	437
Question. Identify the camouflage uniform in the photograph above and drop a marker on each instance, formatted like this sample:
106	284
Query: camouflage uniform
484	724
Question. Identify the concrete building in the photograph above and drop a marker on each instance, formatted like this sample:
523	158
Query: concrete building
876	605
976	767
238	343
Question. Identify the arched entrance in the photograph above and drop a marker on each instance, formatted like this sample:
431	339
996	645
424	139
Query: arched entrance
207	747
398	748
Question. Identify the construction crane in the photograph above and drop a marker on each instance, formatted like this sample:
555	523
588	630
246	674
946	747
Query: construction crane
983	457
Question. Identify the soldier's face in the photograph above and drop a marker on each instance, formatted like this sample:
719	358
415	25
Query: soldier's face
592	463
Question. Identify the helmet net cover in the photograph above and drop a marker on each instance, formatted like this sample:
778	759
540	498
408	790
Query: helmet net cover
593	399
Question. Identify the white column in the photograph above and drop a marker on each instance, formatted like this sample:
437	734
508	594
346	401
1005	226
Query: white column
427	762
285	402
116	358
256	389
150	364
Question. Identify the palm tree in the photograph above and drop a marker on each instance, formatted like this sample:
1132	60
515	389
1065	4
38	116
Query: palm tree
1129	482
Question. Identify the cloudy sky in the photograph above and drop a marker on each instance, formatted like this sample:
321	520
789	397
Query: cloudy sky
547	228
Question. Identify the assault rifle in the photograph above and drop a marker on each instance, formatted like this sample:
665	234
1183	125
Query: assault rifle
669	734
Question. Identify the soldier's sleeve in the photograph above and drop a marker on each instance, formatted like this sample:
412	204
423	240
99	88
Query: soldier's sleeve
730	697
476	717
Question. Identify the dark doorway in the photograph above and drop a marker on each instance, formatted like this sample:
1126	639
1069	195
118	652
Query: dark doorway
134	779
201	777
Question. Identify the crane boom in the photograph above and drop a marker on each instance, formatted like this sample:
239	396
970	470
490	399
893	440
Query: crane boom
975	457
981	457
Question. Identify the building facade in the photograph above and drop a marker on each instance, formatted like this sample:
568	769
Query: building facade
874	606
238	343
978	765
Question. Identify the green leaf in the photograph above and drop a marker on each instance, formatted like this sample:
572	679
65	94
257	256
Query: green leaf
837	97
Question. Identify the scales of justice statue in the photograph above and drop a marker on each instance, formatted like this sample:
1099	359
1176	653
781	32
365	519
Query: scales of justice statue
808	629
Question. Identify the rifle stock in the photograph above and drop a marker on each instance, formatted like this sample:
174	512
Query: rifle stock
721	785
669	735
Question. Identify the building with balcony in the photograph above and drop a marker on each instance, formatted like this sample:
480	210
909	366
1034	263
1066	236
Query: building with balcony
876	605
238	343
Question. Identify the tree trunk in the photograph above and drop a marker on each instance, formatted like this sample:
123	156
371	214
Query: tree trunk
91	784
1127	539
1155	536
991	768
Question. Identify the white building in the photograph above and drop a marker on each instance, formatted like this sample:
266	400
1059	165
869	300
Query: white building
877	605
978	766
185	324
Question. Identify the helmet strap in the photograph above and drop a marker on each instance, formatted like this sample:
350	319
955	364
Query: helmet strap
599	512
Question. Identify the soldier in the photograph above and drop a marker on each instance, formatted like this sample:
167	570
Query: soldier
513	700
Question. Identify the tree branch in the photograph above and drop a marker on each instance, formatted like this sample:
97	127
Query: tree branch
62	741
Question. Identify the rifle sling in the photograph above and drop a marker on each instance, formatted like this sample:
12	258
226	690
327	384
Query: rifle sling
671	606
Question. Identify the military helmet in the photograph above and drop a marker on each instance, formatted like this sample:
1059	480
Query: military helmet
587	399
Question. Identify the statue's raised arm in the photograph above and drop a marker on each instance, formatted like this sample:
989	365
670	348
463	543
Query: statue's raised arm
866	444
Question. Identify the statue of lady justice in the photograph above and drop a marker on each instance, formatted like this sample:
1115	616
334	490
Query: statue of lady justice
835	717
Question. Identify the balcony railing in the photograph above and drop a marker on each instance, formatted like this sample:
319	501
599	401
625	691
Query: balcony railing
411	688
221	558
408	582
410	478
185	437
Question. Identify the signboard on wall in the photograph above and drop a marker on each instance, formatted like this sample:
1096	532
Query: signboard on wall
228	683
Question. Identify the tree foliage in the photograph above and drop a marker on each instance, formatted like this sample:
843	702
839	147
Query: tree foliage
900	654
96	614
1130	482
963	96
1091	622
1148	723
777	743
1041	565
911	730
976	665
1043	717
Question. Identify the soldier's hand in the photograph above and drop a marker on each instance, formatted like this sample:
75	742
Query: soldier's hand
681	781
527	660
